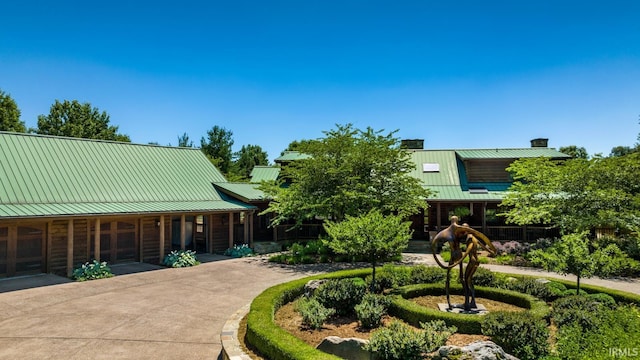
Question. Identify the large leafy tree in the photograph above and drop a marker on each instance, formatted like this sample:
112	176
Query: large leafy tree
184	141
247	158
10	114
576	194
372	235
217	146
576	152
73	119
623	150
349	172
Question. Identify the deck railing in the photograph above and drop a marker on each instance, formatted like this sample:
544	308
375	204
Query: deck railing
302	232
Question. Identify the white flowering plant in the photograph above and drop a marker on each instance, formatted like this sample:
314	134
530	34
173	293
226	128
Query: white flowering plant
181	258
92	271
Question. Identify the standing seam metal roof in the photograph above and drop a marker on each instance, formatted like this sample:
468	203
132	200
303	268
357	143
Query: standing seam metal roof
46	175
510	153
450	182
264	173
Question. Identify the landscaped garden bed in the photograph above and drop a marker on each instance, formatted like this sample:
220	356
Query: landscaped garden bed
276	328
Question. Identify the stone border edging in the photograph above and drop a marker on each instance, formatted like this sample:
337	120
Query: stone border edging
231	349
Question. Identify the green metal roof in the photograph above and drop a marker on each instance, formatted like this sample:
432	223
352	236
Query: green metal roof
246	192
510	153
446	159
291	156
85	209
51	176
264	173
449	182
455	193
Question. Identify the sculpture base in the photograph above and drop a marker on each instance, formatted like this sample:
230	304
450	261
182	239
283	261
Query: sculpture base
459	309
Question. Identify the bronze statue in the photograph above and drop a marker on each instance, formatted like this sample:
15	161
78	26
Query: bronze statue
455	235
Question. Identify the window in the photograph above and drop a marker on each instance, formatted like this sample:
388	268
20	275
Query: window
430	167
479	191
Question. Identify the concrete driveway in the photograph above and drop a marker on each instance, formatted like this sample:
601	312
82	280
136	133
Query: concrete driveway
160	314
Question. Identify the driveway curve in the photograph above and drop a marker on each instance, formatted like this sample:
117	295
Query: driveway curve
160	314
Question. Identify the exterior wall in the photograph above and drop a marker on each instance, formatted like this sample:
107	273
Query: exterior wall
31	247
484	170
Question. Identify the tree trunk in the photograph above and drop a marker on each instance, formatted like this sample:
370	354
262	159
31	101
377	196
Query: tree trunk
578	289
373	276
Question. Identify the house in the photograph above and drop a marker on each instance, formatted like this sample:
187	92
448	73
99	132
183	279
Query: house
65	201
471	183
251	194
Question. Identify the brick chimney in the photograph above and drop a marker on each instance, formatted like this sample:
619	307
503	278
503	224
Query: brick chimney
413	144
539	143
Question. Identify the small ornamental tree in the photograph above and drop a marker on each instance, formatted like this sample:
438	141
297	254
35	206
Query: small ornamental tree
373	236
572	254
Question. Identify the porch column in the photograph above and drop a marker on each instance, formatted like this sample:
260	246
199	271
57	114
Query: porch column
438	222
210	234
484	217
141	240
96	240
230	230
49	247
246	227
251	230
161	238
70	247
183	231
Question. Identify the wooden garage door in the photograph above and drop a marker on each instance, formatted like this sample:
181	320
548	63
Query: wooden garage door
22	249
30	250
118	241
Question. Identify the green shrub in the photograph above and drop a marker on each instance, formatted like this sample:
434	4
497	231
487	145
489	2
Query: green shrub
393	276
316	247
421	274
577	309
605	299
618	329
518	333
572	292
484	277
238	251
505	259
341	294
92	271
313	313
399	341
556	289
371	310
180	258
532	287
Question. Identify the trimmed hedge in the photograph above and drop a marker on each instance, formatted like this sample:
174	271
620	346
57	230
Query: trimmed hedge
272	341
414	314
618	295
276	343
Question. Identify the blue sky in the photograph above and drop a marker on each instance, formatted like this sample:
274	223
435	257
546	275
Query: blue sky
463	74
